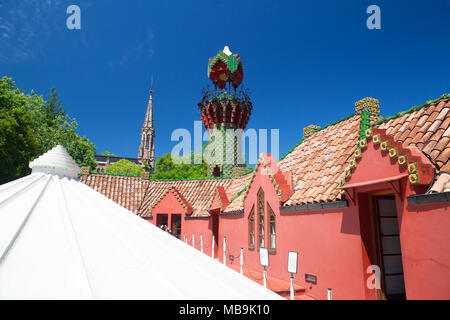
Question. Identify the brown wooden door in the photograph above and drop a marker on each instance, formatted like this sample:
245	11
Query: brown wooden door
176	225
388	248
161	220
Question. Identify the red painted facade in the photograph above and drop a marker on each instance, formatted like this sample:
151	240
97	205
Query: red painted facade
335	244
364	202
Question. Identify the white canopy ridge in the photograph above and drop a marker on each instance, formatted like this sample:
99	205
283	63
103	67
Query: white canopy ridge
60	239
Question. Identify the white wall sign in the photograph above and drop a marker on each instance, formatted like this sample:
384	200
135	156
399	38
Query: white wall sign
264	257
292	262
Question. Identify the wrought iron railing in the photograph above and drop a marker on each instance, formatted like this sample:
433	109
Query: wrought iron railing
210	93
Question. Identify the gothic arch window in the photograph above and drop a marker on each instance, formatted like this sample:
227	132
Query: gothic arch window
251	229
147	141
261	221
272	230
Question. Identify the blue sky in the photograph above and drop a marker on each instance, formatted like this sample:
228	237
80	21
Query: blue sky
305	62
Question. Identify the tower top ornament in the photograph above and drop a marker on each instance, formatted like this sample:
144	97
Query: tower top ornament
224	68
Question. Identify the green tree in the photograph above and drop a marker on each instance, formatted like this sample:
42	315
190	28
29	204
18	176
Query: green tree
30	126
17	141
53	126
107	153
183	168
124	166
167	168
146	166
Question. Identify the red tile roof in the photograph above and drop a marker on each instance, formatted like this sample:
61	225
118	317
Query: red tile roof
427	128
127	191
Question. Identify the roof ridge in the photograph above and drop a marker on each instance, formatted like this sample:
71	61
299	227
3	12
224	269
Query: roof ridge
111	174
412	109
192	179
184	179
206	178
138	176
238	194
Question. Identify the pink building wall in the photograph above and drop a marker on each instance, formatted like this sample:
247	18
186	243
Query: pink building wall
335	244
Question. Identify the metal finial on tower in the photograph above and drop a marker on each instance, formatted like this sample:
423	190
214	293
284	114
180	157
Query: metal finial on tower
227	51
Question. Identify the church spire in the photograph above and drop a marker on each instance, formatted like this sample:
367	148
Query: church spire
147	146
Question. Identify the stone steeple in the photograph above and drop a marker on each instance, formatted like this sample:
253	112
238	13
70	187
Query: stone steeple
147	146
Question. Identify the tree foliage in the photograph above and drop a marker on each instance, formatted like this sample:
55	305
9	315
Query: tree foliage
183	167
124	166
167	168
30	126
107	153
17	142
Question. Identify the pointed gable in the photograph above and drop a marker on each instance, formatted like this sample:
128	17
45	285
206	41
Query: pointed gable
172	199
219	199
281	181
379	159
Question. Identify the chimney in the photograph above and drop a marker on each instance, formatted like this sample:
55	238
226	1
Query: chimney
237	171
370	104
309	130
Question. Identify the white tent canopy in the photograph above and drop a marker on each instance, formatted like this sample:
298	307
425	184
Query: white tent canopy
60	239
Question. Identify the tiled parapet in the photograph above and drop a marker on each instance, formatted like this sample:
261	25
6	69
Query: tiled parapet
420	170
370	104
309	130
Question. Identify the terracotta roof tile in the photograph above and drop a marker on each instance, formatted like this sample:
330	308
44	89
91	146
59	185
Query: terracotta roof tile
437	134
435	125
421	121
429	146
447	133
404	135
316	166
445	124
126	191
446	167
442	144
430	132
403	127
443	114
444	155
426	137
433	117
425	126
407	142
441	105
417	137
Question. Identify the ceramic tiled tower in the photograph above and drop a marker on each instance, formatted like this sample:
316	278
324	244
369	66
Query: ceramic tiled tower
147	146
224	110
